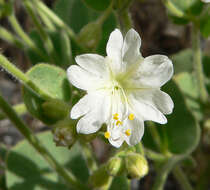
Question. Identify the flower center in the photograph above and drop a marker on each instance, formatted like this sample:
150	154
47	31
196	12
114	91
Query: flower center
116	122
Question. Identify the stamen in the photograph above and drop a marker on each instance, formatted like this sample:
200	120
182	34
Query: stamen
131	116
128	132
119	122
115	116
107	135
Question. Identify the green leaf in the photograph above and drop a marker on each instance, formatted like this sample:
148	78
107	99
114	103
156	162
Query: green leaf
188	8
188	85
3	156
181	134
74	13
182	130
56	40
183	61
109	25
205	25
121	183
52	80
26	169
98	5
206	65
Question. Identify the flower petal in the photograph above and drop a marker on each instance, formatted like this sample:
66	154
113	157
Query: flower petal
99	114
93	63
114	50
116	143
116	138
82	79
131	48
157	98
82	107
137	130
153	72
145	109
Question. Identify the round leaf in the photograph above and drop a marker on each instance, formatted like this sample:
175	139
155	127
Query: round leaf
181	134
26	169
53	81
98	5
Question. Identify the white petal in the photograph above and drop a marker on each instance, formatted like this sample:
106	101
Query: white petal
131	48
145	109
156	98
114	50
116	138
99	114
89	124
137	130
82	107
82	79
93	63
154	71
116	143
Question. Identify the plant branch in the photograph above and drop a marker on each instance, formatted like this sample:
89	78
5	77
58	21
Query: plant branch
20	109
198	63
44	36
19	75
89	157
33	140
26	39
182	178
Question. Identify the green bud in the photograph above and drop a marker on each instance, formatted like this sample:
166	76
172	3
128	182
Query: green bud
90	35
136	165
65	133
55	109
100	178
115	166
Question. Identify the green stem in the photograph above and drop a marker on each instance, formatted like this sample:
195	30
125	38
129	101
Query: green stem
173	9
45	37
26	39
46	21
125	21
20	109
89	157
105	14
155	156
182	178
123	16
198	63
11	38
66	48
57	21
18	74
163	172
33	140
155	134
140	148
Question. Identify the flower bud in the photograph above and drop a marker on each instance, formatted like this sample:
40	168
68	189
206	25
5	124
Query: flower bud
55	109
136	165
115	166
64	133
100	178
90	35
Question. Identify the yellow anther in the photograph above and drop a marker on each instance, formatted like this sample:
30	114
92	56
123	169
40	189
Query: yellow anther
128	132
119	122
107	135
115	116
131	116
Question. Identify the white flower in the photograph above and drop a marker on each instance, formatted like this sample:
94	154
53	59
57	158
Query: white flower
206	1
123	89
